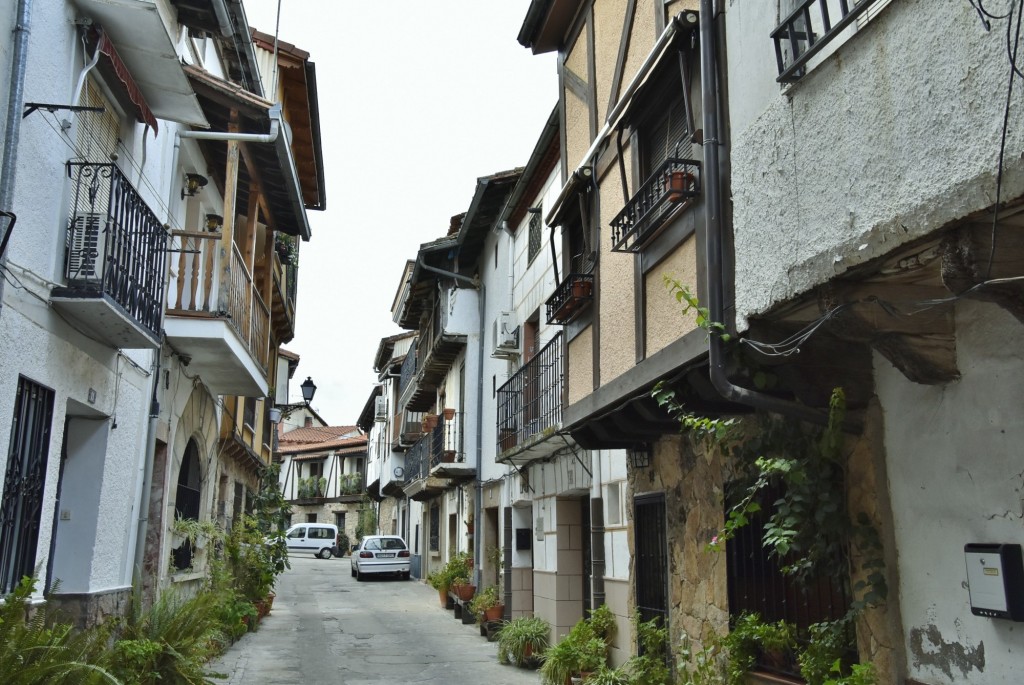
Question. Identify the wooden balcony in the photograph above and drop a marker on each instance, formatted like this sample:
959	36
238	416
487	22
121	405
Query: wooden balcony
282	302
216	318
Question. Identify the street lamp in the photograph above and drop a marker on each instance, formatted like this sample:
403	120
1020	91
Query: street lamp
308	388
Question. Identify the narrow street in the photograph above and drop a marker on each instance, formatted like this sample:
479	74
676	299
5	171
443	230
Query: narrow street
327	628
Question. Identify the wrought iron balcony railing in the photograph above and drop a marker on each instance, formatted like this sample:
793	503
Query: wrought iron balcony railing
808	30
570	298
446	441
530	402
417	460
115	242
409	365
675	181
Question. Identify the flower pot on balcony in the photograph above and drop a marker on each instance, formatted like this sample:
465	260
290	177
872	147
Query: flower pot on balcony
448	456
581	289
449	413
677	184
429	422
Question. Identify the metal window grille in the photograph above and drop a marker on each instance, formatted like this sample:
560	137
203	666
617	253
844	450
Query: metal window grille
536	224
21	508
756	583
651	558
435	528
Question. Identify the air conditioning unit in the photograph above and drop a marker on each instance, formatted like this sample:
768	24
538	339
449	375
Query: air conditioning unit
381	409
506	335
85	247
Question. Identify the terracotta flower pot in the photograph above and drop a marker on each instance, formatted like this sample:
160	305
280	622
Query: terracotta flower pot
442	593
449	413
465	592
494	613
677	183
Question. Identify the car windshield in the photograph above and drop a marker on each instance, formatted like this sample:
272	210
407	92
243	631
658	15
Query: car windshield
392	543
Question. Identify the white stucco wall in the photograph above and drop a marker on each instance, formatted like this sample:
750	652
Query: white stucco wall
892	136
955	475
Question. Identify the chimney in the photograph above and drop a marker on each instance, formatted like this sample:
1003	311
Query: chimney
308	423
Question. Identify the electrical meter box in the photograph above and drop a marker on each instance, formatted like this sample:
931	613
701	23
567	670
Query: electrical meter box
995	579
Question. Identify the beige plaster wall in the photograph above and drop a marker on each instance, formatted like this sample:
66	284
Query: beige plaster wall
665	323
580	371
577	128
608	19
576	57
617	304
642	38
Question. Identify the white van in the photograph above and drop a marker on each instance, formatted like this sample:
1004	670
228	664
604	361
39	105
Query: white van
320	539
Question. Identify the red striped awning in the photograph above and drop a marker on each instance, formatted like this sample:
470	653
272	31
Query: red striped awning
113	65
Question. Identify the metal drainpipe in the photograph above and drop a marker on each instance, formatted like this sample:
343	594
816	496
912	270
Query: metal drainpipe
478	504
597	535
710	93
147	480
15	103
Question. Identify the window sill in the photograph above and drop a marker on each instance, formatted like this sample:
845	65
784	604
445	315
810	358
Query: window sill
187	576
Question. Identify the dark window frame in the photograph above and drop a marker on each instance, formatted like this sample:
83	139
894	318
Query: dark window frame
535	233
24	482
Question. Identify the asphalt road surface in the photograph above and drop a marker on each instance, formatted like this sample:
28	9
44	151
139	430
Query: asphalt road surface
327	628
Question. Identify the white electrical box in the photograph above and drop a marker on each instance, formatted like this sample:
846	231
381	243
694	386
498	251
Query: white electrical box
995	580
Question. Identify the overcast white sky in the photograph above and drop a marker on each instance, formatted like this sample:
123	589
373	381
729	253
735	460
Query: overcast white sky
417	100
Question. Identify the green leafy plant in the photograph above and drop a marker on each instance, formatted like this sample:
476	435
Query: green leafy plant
521	639
751	637
487	598
344	545
583	649
350	483
651	664
705	666
602	620
366	523
36	647
606	675
171	641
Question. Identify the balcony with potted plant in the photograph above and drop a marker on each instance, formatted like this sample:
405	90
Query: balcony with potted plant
671	187
571	297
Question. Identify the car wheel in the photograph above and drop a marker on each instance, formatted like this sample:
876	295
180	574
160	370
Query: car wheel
325	553
405	575
360	577
353	571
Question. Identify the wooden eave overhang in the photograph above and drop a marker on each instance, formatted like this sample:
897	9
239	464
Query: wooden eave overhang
546	24
219	100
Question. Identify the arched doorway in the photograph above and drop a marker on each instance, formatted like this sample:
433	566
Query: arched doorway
187	499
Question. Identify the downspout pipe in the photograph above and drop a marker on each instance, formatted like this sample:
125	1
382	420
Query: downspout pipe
710	95
147	481
478	500
449	274
12	124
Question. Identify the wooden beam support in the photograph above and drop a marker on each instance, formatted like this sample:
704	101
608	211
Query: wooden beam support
965	264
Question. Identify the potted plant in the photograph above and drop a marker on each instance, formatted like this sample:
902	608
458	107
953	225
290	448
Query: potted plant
520	639
678	183
449	413
440	581
751	637
486	605
429	422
